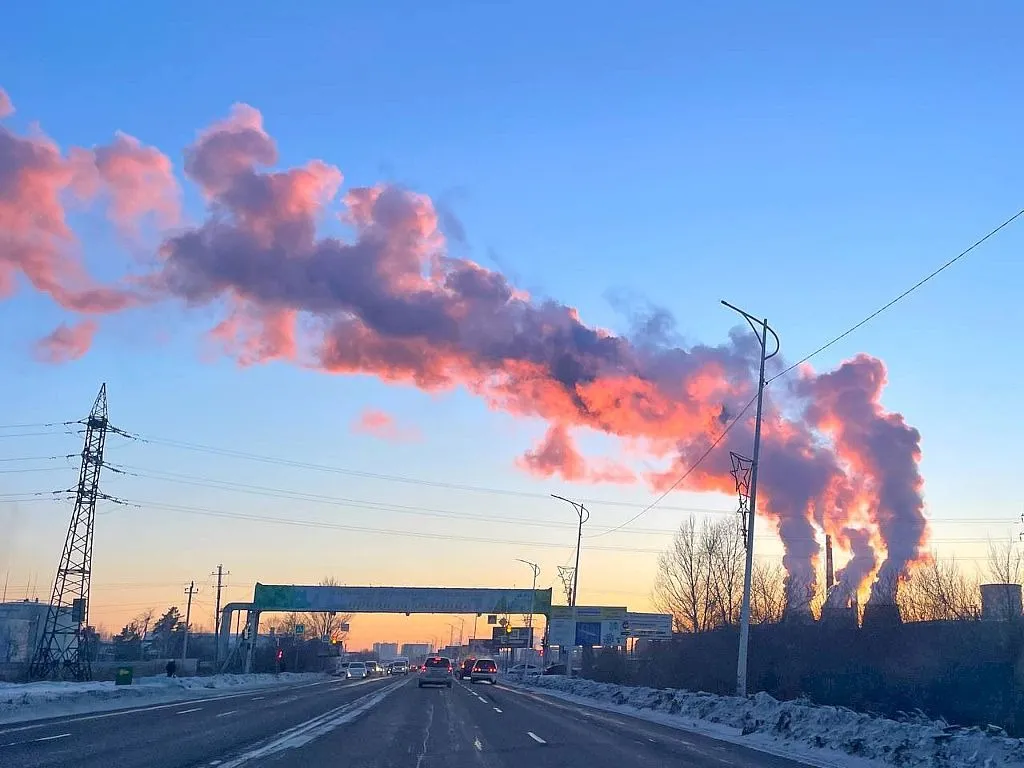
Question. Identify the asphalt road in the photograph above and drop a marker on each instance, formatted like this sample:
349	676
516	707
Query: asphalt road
381	723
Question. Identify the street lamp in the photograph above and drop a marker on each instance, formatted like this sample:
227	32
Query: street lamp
584	515
533	605
762	329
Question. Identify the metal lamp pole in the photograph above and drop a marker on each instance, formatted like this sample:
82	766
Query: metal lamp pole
533	602
584	515
762	329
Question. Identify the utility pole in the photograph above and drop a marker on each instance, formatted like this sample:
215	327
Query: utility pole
533	598
61	651
762	329
533	607
584	515
188	617
221	573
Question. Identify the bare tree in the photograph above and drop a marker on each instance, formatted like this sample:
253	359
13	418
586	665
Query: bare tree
1005	562
700	577
326	625
767	593
939	591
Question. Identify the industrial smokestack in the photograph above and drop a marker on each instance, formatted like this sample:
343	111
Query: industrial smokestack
829	572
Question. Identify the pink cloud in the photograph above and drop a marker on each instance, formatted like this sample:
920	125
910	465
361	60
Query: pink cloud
66	342
6	107
557	454
383	426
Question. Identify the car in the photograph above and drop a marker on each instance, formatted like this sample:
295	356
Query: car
357	671
374	668
466	668
341	670
522	670
437	671
398	668
484	669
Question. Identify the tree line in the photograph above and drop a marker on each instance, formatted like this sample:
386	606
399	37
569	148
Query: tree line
699	581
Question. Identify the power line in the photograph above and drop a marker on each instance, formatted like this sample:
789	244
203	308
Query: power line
899	298
685	474
225	485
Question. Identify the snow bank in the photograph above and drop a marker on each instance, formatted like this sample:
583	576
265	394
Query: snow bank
30	701
801	728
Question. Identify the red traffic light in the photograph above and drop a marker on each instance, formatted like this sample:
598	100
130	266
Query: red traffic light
280	654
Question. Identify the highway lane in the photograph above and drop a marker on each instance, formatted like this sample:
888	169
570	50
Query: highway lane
481	726
187	733
380	723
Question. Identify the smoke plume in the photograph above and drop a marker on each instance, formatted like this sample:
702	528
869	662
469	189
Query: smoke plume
390	301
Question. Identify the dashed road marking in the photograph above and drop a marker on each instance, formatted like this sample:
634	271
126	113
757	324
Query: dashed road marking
257	698
535	737
478	745
52	738
225	714
497	710
186	711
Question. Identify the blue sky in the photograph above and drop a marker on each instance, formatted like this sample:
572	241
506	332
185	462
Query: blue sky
805	163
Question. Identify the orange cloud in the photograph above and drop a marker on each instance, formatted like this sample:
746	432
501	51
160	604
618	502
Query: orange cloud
383	426
66	342
391	302
557	454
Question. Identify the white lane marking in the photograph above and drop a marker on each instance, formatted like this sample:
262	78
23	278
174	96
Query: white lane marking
478	745
426	736
215	762
186	711
225	714
303	733
51	738
535	737
497	710
257	698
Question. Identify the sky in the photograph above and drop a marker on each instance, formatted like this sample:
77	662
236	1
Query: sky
574	171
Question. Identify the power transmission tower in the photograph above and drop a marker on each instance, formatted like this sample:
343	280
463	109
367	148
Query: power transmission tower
221	573
190	590
567	575
61	651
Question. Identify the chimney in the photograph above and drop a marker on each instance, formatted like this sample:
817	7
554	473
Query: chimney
830	576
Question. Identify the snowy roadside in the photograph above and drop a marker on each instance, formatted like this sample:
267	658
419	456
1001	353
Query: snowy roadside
817	735
30	701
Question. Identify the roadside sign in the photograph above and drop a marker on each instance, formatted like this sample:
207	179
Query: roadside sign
512	637
345	627
300	629
655	626
492	618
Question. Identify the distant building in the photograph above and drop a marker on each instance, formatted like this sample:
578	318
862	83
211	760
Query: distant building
1001	602
416	650
385	651
21	626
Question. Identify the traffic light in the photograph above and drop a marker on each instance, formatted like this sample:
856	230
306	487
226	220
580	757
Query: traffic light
280	654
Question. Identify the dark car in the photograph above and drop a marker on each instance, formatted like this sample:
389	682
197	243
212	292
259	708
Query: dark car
467	668
437	671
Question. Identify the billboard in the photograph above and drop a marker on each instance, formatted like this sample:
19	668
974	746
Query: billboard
655	626
586	625
284	597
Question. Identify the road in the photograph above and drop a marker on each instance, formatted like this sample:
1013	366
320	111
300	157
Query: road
379	723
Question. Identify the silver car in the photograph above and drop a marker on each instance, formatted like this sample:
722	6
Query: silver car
357	671
484	670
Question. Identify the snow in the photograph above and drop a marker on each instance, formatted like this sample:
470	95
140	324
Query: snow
31	701
817	735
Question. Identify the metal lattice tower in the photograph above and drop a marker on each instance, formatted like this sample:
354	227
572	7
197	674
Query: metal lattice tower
61	647
567	574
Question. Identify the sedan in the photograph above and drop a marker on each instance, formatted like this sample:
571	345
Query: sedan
357	671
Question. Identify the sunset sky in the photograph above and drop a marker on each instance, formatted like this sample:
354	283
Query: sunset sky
162	172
